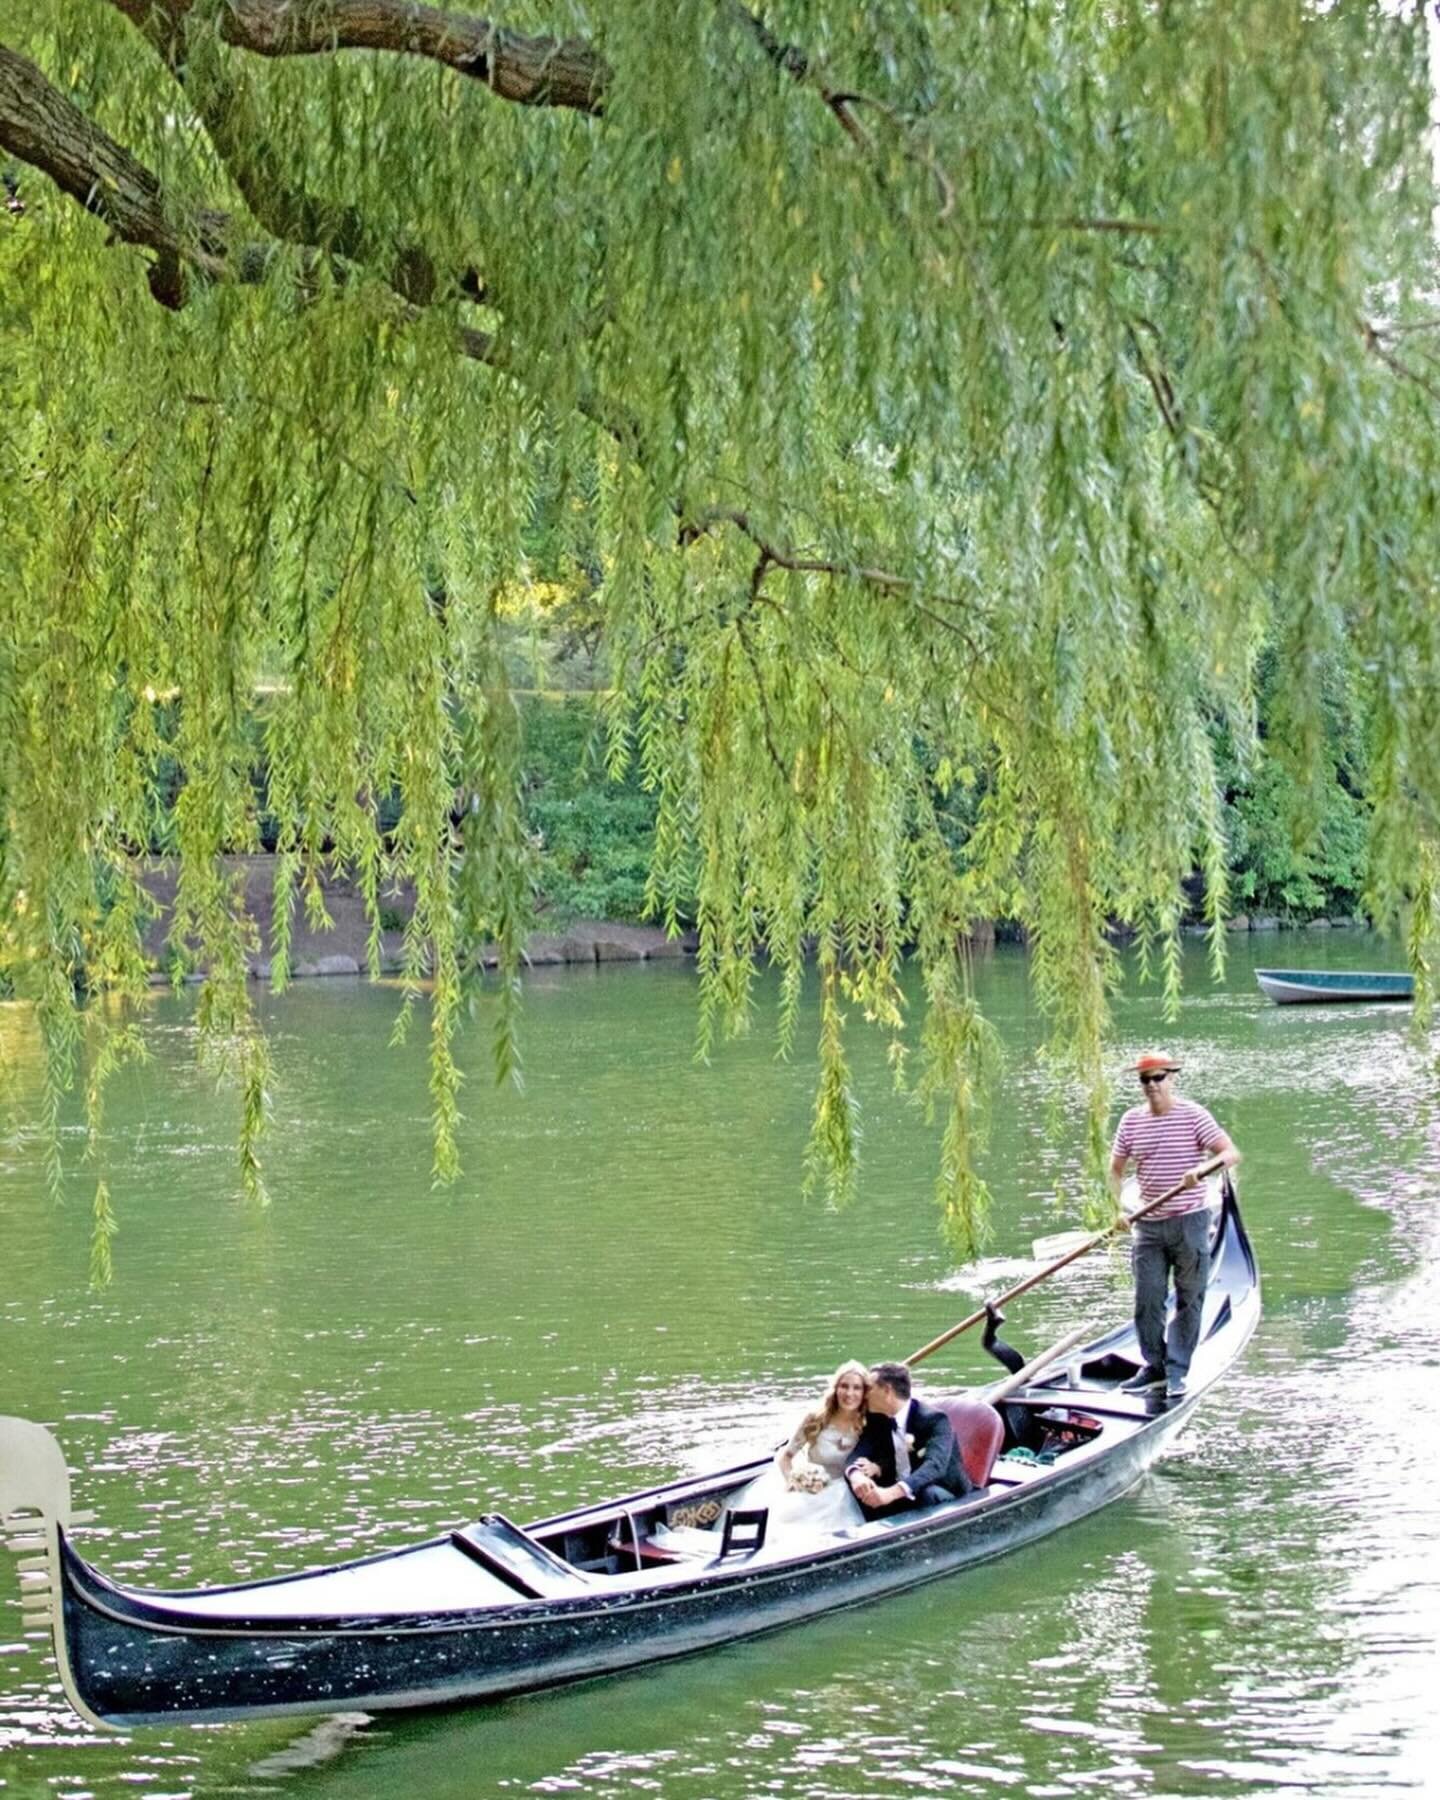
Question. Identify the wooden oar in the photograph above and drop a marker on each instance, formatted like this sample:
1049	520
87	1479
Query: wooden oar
1063	1262
1022	1377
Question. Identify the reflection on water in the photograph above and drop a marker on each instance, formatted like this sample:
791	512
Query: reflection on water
629	1286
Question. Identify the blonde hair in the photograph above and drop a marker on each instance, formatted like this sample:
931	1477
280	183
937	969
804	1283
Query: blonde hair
815	1422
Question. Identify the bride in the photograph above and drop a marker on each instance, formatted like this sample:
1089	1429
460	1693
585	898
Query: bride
805	1485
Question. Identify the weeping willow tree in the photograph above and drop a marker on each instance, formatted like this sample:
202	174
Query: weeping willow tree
956	400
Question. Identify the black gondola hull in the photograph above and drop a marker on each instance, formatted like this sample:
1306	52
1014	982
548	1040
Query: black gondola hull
130	1673
131	1658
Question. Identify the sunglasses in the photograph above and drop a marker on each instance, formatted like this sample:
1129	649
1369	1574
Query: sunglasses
1153	1080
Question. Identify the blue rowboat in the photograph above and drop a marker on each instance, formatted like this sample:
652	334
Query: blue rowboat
1289	987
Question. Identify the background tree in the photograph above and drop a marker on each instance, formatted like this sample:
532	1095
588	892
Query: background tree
1298	835
990	380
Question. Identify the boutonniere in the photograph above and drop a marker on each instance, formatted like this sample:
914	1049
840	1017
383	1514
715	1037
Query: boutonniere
909	1440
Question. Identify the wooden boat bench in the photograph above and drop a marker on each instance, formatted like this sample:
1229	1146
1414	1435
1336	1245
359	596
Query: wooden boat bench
521	1563
651	1551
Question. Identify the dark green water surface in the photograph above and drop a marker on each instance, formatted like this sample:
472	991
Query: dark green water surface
627	1285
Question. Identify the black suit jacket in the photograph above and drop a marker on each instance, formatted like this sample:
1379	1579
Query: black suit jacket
934	1461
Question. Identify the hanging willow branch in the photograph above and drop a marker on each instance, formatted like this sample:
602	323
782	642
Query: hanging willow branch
949	408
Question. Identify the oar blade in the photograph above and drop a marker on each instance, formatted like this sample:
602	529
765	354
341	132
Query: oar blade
1059	1243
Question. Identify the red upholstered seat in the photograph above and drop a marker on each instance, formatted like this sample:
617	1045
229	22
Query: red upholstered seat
978	1433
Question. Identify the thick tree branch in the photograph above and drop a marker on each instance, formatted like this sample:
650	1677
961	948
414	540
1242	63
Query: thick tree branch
264	177
516	66
531	71
41	127
44	129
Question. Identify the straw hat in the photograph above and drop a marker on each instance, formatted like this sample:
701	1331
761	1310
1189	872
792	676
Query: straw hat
1151	1061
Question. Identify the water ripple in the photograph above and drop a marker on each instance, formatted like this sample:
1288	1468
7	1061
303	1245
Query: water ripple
630	1288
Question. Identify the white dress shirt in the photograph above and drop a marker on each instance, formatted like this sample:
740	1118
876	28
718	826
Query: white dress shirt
902	1450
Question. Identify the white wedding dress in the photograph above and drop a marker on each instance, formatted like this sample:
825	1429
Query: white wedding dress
832	1509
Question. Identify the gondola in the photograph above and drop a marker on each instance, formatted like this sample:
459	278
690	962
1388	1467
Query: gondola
1291	987
495	1609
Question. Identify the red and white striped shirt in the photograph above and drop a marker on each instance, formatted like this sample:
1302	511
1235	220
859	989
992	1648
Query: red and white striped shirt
1163	1146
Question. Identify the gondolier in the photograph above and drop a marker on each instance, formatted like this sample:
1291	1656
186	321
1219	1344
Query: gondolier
1165	1138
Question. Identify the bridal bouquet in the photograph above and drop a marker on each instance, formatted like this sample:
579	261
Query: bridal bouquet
806	1477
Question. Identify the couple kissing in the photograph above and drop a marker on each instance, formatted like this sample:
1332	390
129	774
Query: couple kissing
867	1450
906	1455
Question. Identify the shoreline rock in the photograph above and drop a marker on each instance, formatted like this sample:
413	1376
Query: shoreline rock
343	950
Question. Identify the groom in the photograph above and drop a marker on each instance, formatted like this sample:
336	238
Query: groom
907	1455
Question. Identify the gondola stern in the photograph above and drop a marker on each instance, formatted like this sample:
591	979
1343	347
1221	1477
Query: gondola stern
35	1512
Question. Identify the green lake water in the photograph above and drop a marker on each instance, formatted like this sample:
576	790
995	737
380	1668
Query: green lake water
626	1285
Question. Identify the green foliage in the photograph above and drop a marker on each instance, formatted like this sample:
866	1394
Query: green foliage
1299	877
995	380
595	834
1298	837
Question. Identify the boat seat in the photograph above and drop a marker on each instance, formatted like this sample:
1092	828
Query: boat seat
517	1559
744	1532
648	1550
693	1542
979	1431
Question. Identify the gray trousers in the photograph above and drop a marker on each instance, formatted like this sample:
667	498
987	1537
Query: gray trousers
1157	1247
